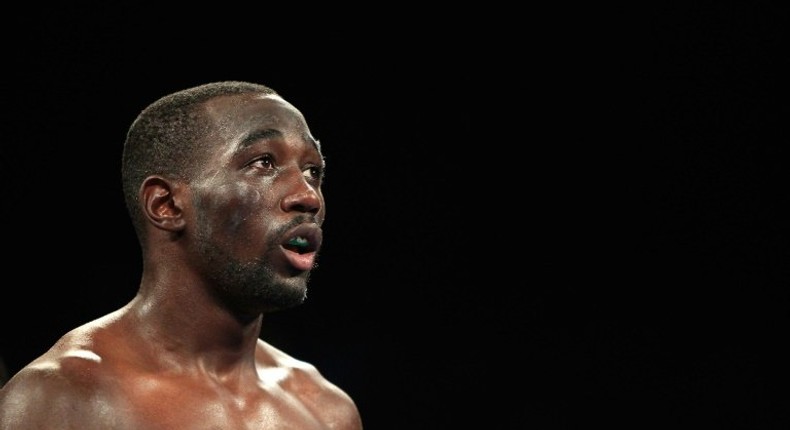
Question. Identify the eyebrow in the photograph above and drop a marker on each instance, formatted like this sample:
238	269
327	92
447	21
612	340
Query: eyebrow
271	133
264	134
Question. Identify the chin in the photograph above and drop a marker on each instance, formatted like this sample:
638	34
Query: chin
286	294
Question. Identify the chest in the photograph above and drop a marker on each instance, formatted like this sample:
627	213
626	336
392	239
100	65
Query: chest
185	405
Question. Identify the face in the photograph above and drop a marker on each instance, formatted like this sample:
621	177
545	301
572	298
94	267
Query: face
257	203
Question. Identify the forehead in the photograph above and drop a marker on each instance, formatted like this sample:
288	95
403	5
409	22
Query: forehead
237	121
239	113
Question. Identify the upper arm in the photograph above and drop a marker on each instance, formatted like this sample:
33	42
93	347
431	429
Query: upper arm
47	396
325	399
337	408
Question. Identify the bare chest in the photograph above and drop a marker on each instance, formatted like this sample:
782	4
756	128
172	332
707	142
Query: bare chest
165	404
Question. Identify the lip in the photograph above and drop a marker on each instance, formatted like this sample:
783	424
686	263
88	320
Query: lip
301	244
311	232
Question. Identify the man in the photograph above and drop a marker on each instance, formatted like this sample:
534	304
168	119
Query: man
223	185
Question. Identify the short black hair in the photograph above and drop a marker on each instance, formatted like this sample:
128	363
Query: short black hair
165	137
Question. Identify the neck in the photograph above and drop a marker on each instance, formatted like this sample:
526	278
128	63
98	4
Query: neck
179	315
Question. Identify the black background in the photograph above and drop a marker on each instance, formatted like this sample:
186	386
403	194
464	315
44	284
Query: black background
535	217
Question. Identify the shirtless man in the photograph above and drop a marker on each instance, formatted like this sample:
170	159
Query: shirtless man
223	185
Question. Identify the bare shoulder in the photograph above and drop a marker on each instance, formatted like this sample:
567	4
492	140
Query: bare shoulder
304	381
59	389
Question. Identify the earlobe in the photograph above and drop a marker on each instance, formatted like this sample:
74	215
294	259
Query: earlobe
161	204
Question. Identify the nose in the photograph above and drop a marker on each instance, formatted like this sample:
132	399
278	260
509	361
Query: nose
302	197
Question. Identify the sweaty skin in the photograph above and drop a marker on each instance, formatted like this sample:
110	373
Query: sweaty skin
235	241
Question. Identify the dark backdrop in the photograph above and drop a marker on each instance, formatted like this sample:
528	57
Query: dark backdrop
535	217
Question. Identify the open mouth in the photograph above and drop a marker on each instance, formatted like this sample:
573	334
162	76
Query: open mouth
299	244
304	239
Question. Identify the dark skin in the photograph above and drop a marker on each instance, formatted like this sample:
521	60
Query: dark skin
185	352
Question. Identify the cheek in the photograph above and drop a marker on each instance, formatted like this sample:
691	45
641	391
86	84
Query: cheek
230	207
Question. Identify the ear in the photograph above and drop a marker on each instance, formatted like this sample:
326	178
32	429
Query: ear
162	203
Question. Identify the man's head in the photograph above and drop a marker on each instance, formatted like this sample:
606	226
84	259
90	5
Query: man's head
230	174
166	136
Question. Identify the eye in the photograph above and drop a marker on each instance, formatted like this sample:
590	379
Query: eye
313	173
264	162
